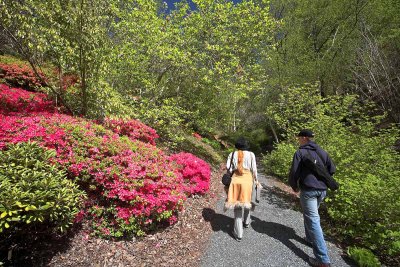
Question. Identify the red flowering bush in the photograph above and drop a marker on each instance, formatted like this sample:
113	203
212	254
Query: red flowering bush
134	129
21	76
22	101
195	172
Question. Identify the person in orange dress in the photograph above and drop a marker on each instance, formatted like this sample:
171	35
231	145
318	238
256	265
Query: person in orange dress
239	193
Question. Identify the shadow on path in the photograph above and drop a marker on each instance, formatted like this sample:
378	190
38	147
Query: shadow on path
219	222
280	198
282	233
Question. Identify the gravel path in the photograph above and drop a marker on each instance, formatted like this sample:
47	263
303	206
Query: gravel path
275	237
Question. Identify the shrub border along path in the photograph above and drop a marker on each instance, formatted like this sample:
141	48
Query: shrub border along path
200	238
183	244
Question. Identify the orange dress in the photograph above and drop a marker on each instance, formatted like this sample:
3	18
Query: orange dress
240	190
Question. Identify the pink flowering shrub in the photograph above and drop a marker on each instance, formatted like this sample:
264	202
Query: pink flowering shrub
21	76
22	101
197	136
195	172
134	129
132	187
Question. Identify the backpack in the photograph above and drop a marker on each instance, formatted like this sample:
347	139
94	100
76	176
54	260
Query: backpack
227	177
319	170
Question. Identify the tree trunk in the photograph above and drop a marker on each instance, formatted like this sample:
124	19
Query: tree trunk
83	66
273	132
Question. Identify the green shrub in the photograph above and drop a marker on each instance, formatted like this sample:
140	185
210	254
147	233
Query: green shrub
278	161
368	202
363	257
106	102
7	59
33	190
201	149
214	144
167	118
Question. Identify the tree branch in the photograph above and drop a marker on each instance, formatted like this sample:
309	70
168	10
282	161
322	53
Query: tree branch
29	58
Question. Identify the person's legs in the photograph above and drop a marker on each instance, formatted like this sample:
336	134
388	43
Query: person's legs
246	217
306	230
308	236
310	201
238	227
226	189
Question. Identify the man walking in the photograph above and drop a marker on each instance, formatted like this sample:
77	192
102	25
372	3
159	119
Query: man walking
312	192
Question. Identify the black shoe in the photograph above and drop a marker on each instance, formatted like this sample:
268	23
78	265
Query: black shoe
246	225
315	263
236	238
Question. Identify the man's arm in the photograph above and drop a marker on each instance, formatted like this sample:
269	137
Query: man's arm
295	172
330	166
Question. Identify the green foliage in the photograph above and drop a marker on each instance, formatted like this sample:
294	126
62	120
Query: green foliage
7	59
278	161
370	168
72	35
213	143
34	191
172	124
367	163
106	227
108	103
290	114
168	119
363	257
207	59
318	42
257	138
200	149
347	46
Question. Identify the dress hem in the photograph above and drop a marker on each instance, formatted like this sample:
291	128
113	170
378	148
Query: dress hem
237	205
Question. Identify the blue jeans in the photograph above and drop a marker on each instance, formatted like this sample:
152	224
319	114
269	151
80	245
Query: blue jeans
310	201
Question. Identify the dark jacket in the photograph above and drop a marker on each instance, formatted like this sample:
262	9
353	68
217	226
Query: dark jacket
301	176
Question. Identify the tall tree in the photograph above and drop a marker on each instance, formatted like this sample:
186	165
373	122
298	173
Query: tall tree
208	59
72	35
317	41
345	46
